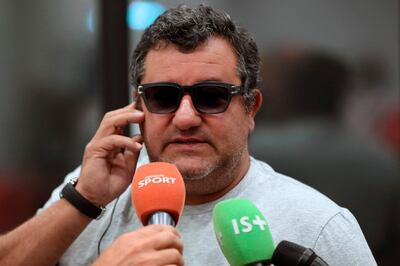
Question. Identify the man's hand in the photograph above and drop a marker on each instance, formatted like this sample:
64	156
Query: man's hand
154	245
110	158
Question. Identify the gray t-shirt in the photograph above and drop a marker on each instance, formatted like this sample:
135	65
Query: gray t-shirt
294	211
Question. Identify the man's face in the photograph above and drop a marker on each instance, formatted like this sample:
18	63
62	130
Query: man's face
210	150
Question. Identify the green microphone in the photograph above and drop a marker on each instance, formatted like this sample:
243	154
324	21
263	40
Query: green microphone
242	233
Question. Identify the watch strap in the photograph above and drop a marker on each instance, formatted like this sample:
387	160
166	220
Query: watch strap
70	193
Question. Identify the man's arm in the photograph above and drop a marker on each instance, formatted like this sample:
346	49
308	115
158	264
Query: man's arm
108	165
43	239
341	242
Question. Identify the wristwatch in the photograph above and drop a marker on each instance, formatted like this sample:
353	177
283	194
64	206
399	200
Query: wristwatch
72	195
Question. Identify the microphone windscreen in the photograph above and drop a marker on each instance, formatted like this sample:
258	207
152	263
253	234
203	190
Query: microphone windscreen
242	232
157	187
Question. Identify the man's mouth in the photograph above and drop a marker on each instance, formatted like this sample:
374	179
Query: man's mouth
188	143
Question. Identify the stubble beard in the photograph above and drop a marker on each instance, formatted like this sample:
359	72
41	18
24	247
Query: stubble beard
211	178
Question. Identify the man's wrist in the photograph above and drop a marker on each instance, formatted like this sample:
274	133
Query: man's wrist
80	202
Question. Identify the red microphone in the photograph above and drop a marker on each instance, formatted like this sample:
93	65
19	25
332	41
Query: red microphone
158	193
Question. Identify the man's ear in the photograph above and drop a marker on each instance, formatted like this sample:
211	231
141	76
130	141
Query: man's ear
135	93
255	107
137	99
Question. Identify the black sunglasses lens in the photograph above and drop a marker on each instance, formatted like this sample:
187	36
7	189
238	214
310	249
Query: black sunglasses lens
162	99
211	99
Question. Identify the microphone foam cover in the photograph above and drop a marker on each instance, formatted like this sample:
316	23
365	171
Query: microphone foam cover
242	232
157	187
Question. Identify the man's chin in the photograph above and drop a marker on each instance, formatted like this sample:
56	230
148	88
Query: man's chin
193	169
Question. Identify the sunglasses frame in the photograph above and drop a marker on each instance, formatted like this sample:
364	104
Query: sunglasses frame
232	90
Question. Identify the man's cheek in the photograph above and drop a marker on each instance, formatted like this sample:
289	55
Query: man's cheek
146	133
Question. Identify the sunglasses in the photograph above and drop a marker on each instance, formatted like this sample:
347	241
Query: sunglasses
207	97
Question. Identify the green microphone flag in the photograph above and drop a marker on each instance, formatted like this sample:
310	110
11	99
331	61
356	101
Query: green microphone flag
242	233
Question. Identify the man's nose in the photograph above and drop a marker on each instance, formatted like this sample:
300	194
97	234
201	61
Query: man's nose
186	116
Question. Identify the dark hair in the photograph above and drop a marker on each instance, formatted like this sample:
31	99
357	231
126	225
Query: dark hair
187	28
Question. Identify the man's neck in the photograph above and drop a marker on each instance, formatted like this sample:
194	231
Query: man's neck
196	199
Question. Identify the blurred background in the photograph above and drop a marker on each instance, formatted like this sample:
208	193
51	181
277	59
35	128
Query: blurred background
330	80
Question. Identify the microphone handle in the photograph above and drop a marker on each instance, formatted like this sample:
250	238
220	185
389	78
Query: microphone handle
161	218
310	258
318	261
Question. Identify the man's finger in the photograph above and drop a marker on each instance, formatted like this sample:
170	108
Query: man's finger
127	108
113	125
166	240
168	257
104	146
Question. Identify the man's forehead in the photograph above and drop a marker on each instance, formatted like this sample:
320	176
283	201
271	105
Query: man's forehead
214	59
209	47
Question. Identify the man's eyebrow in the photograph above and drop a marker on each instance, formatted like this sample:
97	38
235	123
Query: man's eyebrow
210	80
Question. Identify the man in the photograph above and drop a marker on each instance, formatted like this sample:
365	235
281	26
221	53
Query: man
195	72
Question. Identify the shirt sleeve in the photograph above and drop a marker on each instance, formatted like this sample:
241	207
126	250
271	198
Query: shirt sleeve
55	194
341	242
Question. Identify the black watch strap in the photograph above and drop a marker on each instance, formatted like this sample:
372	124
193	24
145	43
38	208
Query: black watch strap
80	202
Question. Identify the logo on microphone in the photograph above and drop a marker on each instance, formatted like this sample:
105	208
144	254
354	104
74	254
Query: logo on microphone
245	224
156	179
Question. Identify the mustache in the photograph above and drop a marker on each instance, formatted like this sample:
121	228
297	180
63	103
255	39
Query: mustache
192	135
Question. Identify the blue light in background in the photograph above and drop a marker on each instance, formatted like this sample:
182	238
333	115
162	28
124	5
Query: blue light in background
142	14
90	20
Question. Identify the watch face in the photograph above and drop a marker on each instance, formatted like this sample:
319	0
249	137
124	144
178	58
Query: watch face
74	180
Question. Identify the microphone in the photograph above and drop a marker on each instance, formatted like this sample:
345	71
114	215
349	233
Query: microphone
291	254
158	193
245	239
242	233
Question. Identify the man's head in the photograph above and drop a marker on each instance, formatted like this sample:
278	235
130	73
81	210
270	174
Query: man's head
188	28
189	48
